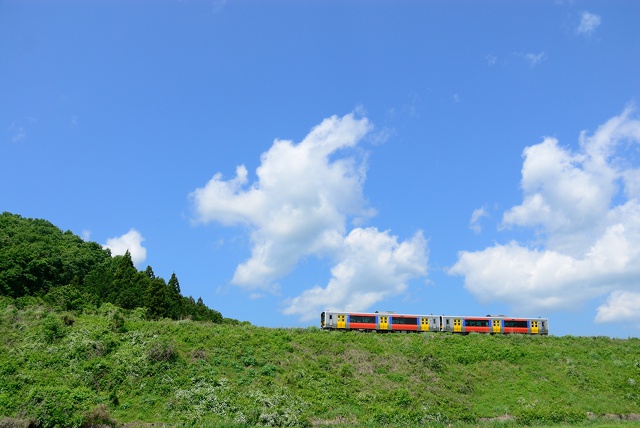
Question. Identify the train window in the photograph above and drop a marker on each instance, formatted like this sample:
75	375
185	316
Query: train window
330	317
362	318
476	323
406	321
514	323
447	321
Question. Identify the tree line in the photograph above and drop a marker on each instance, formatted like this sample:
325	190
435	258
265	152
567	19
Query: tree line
37	259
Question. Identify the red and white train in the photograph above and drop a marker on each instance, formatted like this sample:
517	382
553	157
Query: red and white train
390	321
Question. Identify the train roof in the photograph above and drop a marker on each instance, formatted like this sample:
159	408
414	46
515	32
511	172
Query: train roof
391	313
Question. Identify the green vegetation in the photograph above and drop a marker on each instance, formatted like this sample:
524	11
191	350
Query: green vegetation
38	259
114	365
87	340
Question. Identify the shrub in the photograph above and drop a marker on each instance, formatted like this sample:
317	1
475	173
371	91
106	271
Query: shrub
52	328
57	406
99	416
117	322
162	351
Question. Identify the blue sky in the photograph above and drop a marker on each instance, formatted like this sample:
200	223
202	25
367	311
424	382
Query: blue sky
287	157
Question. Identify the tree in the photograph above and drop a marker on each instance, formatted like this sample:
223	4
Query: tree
157	299
176	310
129	285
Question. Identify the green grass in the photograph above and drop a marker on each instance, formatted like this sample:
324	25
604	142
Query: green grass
114	367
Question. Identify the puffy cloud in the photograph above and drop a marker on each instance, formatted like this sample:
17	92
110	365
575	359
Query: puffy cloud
130	241
621	306
588	229
299	206
588	23
372	267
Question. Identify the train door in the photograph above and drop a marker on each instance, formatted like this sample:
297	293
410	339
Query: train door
534	327
384	322
445	324
436	324
543	328
496	326
342	321
457	325
424	324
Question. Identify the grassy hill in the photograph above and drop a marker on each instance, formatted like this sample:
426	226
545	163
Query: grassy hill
114	367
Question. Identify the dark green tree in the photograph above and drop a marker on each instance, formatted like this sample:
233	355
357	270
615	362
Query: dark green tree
157	299
129	285
149	272
176	310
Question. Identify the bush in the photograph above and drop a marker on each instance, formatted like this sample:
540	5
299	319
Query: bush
52	328
99	416
57	406
117	322
162	351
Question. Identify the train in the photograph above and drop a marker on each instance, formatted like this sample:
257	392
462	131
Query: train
392	322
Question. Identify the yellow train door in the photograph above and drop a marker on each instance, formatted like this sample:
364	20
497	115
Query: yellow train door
424	324
384	323
534	327
496	326
457	325
342	321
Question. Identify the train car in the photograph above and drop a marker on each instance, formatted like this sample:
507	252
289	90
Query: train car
392	322
378	321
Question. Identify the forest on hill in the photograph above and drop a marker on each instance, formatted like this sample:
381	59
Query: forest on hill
38	260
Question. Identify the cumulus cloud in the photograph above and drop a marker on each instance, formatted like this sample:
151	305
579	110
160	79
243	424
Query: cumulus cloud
300	205
372	267
584	207
589	22
621	306
130	241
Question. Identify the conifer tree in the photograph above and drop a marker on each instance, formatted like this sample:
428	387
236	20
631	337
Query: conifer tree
129	286
157	299
175	298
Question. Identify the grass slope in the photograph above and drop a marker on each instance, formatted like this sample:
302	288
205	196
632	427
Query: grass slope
114	367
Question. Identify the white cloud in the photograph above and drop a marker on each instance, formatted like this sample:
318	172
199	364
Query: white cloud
130	241
476	215
299	206
18	132
588	23
372	267
535	59
588	229
621	306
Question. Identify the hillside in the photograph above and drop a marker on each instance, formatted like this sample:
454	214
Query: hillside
38	259
115	366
